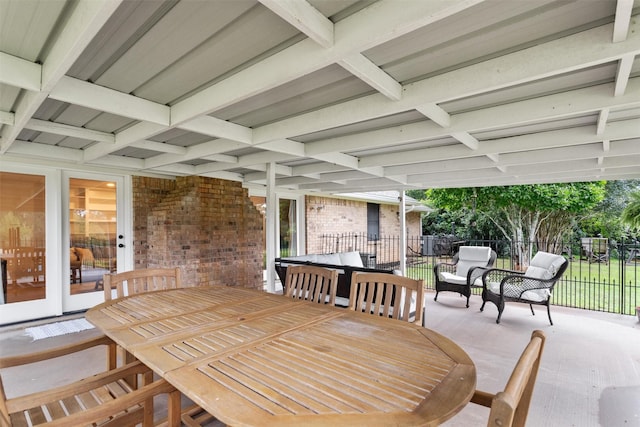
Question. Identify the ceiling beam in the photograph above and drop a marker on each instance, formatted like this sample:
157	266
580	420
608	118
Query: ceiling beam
622	20
582	50
372	75
83	24
369	27
304	17
625	64
567	104
539	141
68	130
18	72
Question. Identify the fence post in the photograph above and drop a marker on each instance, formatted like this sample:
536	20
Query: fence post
622	266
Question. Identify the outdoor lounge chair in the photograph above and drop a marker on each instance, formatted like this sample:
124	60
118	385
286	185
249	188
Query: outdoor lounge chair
510	407
465	270
533	286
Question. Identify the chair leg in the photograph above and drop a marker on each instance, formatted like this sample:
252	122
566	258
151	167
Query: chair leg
436	297
531	307
549	313
467	301
482	306
500	309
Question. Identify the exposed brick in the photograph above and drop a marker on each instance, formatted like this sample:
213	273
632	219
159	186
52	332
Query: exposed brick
201	225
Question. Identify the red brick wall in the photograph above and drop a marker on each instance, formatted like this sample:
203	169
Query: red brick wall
207	226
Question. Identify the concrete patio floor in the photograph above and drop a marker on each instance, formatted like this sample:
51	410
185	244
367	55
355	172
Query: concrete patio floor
589	376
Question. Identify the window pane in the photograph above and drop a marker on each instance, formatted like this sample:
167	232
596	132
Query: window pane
22	236
373	221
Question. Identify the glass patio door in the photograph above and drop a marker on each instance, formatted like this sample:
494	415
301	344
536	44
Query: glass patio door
27	251
94	237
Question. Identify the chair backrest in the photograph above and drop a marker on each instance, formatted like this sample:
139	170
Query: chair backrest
545	265
307	282
473	256
387	295
143	280
510	407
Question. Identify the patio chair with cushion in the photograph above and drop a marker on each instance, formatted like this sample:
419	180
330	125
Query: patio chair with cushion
533	286
105	399
387	295
465	270
317	284
510	407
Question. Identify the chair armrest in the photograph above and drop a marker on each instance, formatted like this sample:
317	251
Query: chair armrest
498	275
475	273
444	267
75	347
108	409
482	398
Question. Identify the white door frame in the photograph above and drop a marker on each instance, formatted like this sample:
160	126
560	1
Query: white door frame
123	221
51	305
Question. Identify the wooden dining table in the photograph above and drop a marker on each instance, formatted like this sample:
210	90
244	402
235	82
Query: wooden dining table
253	358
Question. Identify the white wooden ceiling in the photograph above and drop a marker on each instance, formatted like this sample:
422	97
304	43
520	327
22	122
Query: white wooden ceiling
338	95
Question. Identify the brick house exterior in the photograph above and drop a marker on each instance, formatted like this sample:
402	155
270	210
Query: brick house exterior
339	216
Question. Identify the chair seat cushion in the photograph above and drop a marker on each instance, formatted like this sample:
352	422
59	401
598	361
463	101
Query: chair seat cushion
452	278
535	295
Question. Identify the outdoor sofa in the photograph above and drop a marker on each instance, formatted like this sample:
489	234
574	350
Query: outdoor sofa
345	262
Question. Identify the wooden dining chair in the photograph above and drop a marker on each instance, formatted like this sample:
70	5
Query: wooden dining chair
311	283
510	407
105	399
142	280
147	280
387	295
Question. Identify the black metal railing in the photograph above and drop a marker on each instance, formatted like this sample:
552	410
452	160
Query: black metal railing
608	280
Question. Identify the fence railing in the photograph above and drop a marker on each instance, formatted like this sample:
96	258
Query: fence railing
608	280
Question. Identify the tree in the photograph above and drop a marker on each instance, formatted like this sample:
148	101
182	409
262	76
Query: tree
526	214
631	213
606	218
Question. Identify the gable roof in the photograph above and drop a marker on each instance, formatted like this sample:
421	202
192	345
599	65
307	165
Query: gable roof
336	95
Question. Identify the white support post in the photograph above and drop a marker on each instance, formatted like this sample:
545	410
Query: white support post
403	233
272	212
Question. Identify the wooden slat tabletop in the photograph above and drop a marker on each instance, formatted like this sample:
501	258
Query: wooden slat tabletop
252	358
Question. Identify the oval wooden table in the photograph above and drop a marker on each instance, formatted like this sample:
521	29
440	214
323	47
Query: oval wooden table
254	359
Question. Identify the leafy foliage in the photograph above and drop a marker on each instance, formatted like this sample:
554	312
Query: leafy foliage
631	213
540	213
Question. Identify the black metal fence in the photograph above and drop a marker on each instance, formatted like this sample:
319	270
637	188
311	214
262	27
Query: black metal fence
602	275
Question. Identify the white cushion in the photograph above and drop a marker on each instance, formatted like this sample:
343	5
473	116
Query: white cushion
472	256
538	272
494	287
328	259
538	295
309	257
351	258
474	253
544	265
453	278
